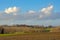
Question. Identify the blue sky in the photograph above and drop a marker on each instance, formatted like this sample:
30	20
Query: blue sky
32	12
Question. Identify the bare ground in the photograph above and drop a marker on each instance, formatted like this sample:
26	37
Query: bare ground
34	36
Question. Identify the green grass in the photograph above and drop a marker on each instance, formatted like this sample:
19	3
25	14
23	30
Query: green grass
16	33
6	34
12	34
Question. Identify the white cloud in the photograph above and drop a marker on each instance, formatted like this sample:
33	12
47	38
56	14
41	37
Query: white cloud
47	10
11	10
40	16
31	12
44	12
14	14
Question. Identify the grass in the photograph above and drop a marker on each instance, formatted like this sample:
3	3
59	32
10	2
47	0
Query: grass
12	34
6	34
32	36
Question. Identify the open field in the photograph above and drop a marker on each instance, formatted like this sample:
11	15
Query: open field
24	32
33	36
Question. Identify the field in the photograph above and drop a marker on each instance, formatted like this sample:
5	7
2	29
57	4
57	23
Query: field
29	33
32	36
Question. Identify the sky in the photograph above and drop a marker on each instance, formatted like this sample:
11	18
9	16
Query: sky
30	12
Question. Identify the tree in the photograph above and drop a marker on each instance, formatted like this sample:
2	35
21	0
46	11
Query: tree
50	26
2	31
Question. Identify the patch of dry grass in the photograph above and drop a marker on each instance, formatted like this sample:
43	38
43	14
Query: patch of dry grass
34	36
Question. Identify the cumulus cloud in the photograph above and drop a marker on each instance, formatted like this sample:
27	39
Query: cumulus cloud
14	14
31	12
11	10
40	16
46	11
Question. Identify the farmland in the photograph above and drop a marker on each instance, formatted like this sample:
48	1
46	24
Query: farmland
33	36
25	32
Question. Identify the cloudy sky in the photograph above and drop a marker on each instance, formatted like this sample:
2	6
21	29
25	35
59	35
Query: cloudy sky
31	12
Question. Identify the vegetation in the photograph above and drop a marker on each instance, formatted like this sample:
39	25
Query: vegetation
32	36
5	29
29	32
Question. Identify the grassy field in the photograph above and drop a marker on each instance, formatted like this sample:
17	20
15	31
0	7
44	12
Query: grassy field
29	33
31	36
